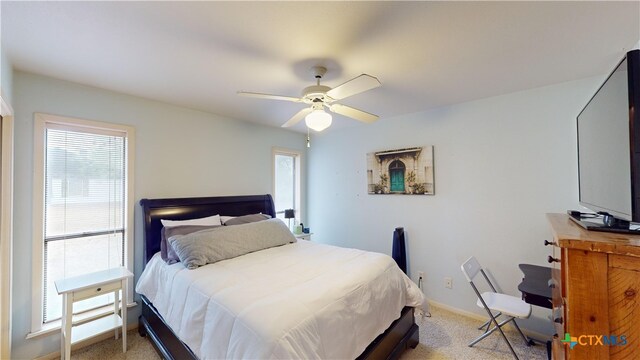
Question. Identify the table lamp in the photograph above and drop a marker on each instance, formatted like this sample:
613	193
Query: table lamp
289	214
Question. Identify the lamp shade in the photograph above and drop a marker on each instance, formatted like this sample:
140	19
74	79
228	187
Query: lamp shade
318	120
289	214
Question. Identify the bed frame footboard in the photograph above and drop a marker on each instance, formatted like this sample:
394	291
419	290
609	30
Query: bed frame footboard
164	340
402	333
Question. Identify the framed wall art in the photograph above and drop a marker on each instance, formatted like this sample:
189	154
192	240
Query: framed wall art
401	171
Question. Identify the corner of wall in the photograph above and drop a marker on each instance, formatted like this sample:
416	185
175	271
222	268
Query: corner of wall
6	77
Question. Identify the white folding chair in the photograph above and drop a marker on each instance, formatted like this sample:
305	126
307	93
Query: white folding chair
509	306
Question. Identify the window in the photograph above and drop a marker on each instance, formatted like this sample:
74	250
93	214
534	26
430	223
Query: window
83	217
286	173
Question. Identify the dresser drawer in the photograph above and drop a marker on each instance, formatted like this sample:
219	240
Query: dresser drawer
96	290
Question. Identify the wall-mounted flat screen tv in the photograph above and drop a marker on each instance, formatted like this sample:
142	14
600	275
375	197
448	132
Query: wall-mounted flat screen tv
609	144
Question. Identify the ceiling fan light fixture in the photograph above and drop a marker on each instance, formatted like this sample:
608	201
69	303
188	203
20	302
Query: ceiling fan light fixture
318	120
320	96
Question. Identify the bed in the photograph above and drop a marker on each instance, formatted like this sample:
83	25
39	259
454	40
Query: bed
400	334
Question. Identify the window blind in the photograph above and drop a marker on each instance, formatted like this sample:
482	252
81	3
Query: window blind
285	183
85	182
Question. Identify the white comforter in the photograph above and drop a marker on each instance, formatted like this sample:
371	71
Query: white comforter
304	300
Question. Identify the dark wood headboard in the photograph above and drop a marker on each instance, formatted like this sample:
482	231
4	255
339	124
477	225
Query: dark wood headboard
191	208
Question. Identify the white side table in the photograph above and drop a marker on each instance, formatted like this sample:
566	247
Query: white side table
86	286
303	236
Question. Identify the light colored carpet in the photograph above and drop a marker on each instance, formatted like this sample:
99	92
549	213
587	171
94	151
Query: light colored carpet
442	336
138	348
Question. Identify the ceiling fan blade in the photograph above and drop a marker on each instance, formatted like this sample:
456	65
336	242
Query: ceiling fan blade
354	86
297	117
269	96
353	113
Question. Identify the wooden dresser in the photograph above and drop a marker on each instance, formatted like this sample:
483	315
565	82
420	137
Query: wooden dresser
596	291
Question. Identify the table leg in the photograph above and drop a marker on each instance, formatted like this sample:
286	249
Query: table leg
123	312
68	312
63	327
115	307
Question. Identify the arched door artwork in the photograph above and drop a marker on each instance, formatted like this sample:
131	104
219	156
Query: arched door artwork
396	176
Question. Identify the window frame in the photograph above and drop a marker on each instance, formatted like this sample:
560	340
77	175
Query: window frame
41	122
6	225
297	155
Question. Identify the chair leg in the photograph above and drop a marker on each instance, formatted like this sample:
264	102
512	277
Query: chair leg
488	332
497	327
484	304
488	327
508	343
528	341
488	322
482	336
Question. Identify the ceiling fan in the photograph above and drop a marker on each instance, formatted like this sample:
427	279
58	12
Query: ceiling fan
321	96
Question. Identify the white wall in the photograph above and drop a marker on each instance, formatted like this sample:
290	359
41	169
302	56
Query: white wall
6	77
179	152
500	164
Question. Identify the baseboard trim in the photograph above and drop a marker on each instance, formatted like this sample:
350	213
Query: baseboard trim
532	334
88	342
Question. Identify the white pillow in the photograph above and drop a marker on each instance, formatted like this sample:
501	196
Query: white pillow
207	221
224	219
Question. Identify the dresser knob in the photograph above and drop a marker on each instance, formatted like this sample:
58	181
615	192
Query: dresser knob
551	259
547	243
99	289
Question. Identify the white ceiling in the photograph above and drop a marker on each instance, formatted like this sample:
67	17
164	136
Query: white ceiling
426	54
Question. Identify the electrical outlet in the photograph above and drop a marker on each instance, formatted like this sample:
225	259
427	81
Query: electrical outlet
420	274
448	282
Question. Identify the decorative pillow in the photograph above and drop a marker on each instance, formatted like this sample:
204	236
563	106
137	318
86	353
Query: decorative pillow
166	251
213	245
246	219
206	221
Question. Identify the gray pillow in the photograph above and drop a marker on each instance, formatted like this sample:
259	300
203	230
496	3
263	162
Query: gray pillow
166	251
246	219
213	245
